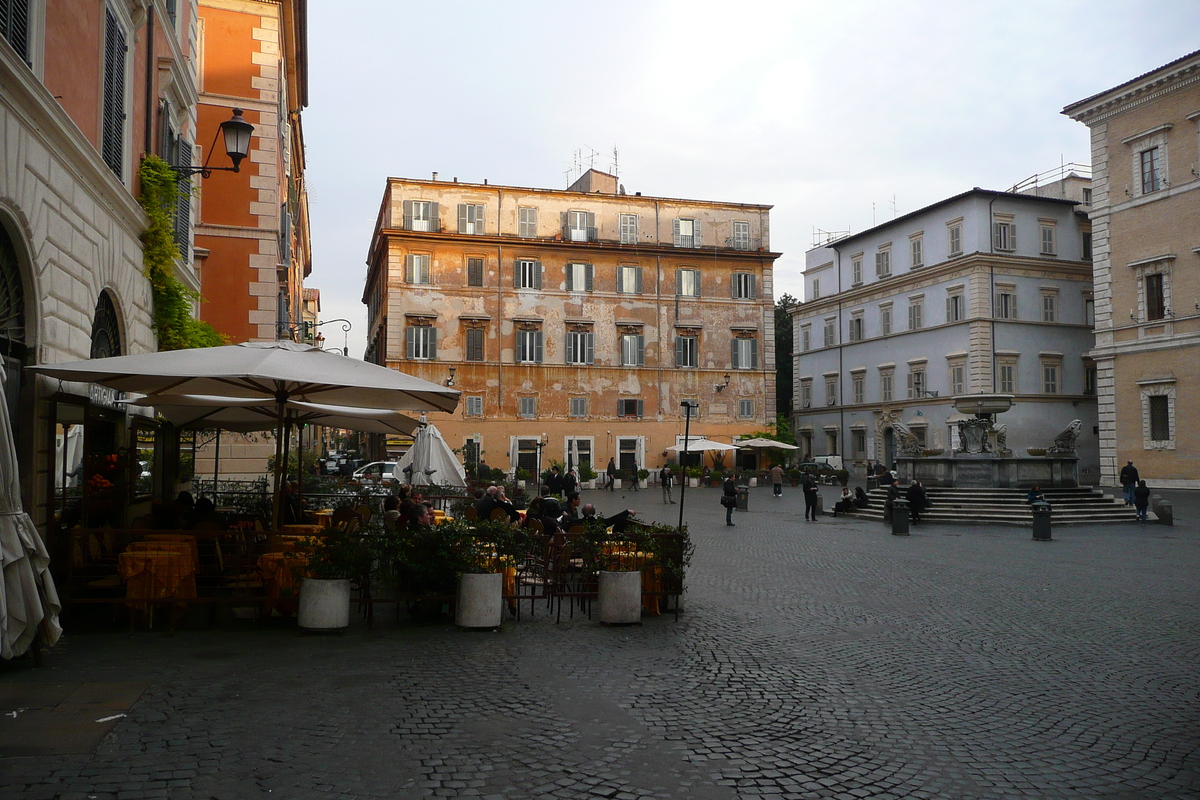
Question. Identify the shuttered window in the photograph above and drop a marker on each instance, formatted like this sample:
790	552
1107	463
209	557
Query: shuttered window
113	125
14	26
183	201
687	282
474	272
527	222
529	347
421	342
630	408
744	353
527	407
417	268
579	226
629	279
744	285
633	350
580	347
470	219
421	215
474	348
579	277
629	228
475	406
527	274
687	351
686	232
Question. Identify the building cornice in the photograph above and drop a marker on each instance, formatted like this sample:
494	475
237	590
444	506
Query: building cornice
1172	77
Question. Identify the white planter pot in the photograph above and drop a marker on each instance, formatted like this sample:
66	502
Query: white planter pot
616	483
693	483
644	484
753	482
480	601
620	597
589	484
324	604
521	484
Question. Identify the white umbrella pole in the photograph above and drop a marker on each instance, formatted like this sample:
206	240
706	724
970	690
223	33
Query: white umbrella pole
216	464
279	432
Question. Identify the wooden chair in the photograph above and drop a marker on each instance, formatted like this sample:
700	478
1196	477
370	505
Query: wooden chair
364	512
342	515
471	514
498	514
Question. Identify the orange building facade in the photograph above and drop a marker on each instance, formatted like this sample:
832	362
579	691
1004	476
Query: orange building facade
577	320
251	230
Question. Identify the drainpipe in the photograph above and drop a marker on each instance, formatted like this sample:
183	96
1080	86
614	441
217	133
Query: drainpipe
992	288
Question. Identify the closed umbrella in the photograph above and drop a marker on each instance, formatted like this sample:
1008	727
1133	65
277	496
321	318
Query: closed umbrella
430	461
28	598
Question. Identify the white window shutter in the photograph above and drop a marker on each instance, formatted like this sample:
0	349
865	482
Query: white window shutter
408	266
462	217
591	225
479	220
696	239
675	232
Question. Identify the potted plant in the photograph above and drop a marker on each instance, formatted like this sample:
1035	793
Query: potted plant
629	563
587	475
716	478
484	550
693	475
325	566
523	476
843	476
643	476
794	476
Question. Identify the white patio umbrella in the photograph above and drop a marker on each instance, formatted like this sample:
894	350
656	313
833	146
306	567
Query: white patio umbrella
765	444
700	445
189	411
28	597
275	371
430	461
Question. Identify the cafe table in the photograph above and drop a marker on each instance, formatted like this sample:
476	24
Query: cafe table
153	575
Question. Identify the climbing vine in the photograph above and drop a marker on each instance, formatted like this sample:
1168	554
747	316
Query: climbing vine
174	325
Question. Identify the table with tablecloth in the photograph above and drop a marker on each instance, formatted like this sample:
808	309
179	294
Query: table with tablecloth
156	571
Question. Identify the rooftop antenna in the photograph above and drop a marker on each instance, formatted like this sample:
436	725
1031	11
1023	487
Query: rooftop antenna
615	164
872	213
895	211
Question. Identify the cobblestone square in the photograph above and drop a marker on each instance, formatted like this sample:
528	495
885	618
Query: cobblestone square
813	660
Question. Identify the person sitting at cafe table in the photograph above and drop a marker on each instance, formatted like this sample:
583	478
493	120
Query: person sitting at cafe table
495	499
204	513
572	513
419	515
293	506
391	508
548	510
618	522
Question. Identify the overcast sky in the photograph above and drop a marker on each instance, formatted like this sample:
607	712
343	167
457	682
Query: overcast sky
837	113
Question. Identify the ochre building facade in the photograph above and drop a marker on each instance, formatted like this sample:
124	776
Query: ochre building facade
1146	227
577	320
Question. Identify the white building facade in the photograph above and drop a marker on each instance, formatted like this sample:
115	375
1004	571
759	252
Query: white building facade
979	293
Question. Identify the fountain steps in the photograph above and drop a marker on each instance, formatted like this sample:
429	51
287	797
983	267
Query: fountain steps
1081	506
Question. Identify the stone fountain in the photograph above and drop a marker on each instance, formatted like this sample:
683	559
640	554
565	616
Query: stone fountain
983	459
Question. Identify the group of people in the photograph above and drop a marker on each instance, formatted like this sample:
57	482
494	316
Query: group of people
557	511
914	495
1137	493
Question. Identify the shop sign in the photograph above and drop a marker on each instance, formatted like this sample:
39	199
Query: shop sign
104	396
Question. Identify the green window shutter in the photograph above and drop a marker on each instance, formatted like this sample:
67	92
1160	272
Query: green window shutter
620	279
753	354
679	351
753	287
591	347
675	232
733	358
408	215
434	212
570	277
641	350
537	346
433	343
113	128
678	282
517	273
641	408
587	274
408	341
537	275
637	286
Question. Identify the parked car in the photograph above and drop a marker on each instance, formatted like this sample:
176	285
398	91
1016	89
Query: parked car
376	472
824	473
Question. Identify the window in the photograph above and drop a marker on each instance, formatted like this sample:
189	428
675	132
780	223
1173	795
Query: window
1006	302
529	347
474	348
1049	306
958	378
916	245
474	272
527	222
633	350
741	236
1089	379
578	406
1050	377
744	353
954	244
1089	312
470	219
628	407
856	277
806	393
1151	162
830	332
885	319
687	351
954	306
416	268
113	127
579	277
1049	241
916	313
686	232
858	443
831	441
831	391
421	215
1155	298
916	383
1160	419
527	407
856	327
1087	245
858	384
1004	233
474	406
805	338
528	274
1006	374
745	409
421	342
1087	197
580	347
883	263
629	279
885	385
629	229
14	26
744	284
816	284
579	226
687	282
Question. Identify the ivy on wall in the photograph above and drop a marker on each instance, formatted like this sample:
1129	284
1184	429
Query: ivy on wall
174	325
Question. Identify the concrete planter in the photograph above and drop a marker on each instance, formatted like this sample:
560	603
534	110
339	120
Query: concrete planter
324	605
753	482
644	484
620	598
693	483
616	483
480	603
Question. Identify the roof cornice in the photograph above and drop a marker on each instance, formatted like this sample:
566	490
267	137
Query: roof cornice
1143	89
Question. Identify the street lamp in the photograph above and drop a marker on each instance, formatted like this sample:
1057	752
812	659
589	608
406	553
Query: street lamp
237	146
688	406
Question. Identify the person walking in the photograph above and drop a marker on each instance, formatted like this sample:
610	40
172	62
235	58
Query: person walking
916	500
1141	500
729	498
664	478
810	497
612	474
777	480
1129	481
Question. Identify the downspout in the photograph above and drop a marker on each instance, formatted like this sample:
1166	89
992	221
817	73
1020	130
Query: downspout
499	305
992	288
148	147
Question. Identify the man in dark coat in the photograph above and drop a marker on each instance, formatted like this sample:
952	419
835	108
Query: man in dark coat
612	473
729	498
554	481
1129	481
618	522
916	500
1141	500
810	497
570	484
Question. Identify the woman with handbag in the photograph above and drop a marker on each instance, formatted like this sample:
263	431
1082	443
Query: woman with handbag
729	498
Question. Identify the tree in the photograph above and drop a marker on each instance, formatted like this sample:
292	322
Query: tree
783	355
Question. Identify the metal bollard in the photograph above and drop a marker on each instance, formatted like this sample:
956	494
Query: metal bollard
1041	521
899	517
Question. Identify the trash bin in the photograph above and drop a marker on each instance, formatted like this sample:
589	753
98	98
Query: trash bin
1165	513
1041	521
899	517
743	498
872	482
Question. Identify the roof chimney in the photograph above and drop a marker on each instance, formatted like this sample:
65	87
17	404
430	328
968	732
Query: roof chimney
435	176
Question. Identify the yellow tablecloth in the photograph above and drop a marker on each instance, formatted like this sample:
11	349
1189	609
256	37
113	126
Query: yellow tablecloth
185	538
301	530
151	575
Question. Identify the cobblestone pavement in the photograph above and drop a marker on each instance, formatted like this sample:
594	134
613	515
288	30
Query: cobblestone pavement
814	660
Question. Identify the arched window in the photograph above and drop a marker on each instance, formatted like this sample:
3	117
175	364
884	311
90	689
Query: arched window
106	329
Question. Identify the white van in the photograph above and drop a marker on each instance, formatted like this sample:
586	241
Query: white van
833	461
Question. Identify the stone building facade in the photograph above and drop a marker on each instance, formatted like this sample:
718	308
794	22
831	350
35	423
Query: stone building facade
576	318
1146	217
979	293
